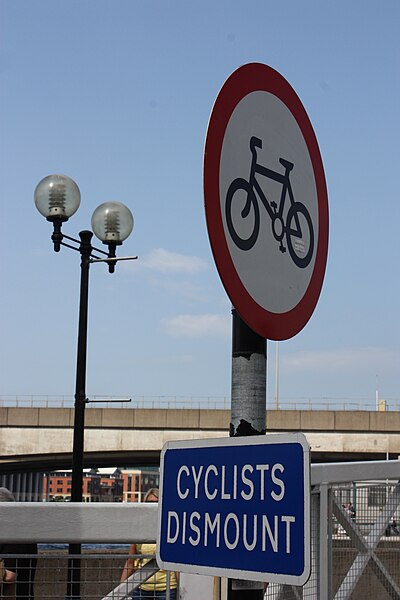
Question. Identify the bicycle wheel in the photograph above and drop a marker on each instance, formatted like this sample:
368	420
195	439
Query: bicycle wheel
248	232
300	238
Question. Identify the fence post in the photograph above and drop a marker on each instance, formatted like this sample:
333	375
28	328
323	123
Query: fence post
311	588
325	542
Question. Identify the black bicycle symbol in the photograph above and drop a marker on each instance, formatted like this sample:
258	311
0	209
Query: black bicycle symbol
300	246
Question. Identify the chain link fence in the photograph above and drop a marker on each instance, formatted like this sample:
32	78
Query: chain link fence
46	575
355	535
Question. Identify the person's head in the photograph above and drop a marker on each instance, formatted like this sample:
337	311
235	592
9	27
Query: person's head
151	495
6	495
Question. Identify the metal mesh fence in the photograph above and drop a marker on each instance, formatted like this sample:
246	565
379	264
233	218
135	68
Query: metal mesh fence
46	575
310	590
366	541
361	558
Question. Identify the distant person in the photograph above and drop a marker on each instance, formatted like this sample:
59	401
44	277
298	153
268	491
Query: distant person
7	578
24	568
350	510
394	527
156	586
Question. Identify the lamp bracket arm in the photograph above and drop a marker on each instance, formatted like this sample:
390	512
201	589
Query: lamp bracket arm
69	245
112	259
78	250
100	251
67	237
71	239
110	400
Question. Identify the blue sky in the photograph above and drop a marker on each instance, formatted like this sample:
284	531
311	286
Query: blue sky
117	95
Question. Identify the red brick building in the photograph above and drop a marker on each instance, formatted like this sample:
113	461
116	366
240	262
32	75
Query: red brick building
102	485
99	485
136	482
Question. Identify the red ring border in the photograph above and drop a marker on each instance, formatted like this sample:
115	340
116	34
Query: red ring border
246	79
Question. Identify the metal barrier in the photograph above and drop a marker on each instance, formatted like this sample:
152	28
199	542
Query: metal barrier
45	575
355	541
355	548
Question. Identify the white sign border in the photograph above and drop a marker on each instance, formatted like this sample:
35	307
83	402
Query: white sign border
274	438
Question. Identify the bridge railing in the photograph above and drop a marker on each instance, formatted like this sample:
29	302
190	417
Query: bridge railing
196	402
172	402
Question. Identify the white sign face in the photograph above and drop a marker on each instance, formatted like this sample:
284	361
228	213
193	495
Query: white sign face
266	201
275	249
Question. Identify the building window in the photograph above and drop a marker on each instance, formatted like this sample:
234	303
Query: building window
343	496
377	495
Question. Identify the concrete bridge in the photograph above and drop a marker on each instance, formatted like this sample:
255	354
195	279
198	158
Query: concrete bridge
41	438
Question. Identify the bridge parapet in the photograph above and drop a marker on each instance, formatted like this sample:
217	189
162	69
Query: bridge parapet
217	419
117	436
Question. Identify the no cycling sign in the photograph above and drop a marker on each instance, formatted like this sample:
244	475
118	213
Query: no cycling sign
266	201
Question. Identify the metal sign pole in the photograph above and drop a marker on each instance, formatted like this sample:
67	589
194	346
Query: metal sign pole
248	410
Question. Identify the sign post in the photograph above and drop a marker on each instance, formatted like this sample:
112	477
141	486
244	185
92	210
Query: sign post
267	217
249	378
248	398
236	507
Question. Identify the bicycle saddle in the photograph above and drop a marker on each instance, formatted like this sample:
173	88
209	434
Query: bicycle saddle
286	163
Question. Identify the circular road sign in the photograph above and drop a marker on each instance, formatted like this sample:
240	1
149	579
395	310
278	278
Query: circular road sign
266	201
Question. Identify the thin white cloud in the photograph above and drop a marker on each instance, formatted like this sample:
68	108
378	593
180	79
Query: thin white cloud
164	261
198	325
344	359
181	287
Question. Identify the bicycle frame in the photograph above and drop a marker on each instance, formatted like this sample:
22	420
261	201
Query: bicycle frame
287	226
283	179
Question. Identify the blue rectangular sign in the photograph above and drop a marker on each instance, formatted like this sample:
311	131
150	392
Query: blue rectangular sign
237	507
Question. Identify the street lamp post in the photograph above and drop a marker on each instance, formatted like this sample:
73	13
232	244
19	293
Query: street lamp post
57	198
